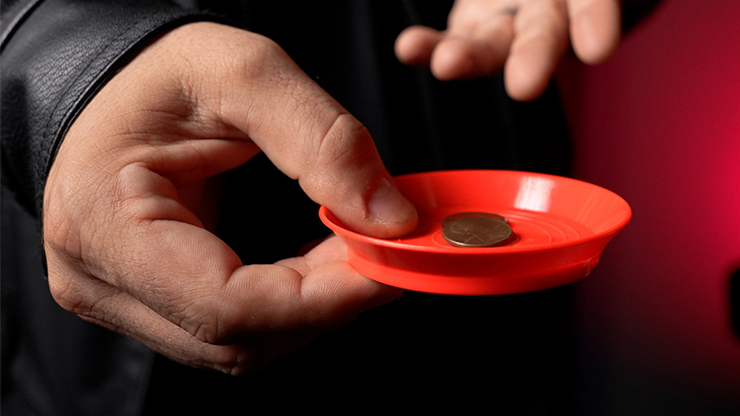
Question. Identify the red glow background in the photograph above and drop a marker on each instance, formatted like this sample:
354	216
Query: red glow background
660	125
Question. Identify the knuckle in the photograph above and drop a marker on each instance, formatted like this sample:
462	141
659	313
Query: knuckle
57	226
345	143
340	153
57	233
62	293
83	295
259	60
269	54
206	329
466	12
69	217
205	321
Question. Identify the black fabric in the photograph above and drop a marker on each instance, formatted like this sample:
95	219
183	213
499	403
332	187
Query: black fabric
53	63
505	355
55	55
422	353
53	362
734	290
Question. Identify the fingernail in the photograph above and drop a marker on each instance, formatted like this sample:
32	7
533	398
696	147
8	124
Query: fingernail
387	205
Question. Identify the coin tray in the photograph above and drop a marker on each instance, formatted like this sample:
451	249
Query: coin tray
562	226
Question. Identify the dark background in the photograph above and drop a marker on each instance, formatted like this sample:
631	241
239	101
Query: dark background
660	125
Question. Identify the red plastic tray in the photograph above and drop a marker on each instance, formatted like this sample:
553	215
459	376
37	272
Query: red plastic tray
562	226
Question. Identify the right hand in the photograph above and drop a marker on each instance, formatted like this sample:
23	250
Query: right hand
525	38
123	210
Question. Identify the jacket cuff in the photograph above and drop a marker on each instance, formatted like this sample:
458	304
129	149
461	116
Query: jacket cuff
55	56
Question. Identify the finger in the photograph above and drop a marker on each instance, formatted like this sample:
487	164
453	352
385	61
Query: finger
540	42
480	53
155	250
305	297
110	307
328	251
595	28
331	293
312	138
476	42
414	46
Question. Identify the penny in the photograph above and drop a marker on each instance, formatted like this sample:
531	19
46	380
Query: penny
448	219
477	231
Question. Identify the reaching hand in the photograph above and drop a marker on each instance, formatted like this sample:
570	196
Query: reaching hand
124	215
525	38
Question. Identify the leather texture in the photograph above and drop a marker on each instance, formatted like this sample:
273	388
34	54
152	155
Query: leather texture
56	55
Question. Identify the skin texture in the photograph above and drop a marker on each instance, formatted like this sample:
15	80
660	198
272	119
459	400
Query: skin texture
525	38
127	210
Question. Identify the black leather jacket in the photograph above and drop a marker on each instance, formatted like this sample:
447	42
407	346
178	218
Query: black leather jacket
421	353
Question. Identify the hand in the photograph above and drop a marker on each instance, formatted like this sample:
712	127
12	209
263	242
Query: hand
124	211
525	38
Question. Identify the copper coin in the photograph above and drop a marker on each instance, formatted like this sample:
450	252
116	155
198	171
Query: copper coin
477	232
448	219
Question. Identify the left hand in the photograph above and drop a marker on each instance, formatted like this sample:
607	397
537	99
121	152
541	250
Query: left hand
525	38
129	197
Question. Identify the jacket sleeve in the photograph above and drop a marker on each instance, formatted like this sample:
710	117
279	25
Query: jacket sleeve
56	54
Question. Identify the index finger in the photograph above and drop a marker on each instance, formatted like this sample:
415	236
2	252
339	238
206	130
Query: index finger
312	138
